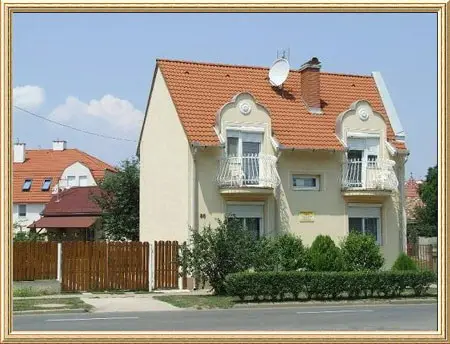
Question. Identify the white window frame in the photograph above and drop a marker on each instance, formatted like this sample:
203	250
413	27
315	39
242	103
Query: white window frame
82	177
249	214
18	210
74	179
318	178
366	212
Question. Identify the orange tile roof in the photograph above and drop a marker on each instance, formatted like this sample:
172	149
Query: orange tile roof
199	90
47	163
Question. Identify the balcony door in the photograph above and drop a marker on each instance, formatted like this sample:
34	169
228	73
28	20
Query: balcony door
361	158
245	147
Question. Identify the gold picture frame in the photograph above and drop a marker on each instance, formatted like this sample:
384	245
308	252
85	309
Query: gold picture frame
9	7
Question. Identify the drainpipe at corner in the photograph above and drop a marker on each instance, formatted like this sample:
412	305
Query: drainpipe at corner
403	227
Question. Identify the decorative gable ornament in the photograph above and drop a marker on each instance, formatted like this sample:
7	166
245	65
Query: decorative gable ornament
363	114
245	108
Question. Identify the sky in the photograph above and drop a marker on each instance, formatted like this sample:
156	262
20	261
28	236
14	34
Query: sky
94	71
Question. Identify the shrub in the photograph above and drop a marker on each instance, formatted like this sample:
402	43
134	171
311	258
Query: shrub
291	252
324	255
361	252
404	263
281	253
322	285
265	257
213	253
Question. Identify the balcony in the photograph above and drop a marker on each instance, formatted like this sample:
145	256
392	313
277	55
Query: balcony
248	174
369	178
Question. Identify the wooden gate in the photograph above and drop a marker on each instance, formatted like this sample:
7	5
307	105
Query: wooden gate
166	264
34	260
91	266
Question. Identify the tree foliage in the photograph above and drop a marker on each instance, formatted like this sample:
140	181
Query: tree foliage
284	252
360	252
119	201
212	253
427	215
404	263
324	255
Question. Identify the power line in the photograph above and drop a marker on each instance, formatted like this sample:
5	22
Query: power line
73	128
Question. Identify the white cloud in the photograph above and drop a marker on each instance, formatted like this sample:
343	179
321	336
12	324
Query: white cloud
118	113
28	97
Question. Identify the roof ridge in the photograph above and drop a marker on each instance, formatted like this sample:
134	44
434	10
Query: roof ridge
215	64
348	74
94	159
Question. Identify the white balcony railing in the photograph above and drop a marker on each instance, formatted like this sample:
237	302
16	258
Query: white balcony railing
248	171
369	175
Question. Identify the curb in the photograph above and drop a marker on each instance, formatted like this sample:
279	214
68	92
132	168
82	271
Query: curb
65	310
334	303
53	296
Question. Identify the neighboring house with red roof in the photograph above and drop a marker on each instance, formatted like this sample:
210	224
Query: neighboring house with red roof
322	154
38	173
72	214
412	198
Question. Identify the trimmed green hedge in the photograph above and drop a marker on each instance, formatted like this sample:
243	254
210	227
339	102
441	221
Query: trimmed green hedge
327	285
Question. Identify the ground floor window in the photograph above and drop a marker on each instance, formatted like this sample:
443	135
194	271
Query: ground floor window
366	220
250	216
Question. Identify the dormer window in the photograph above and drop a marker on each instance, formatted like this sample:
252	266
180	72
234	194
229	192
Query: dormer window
26	185
46	184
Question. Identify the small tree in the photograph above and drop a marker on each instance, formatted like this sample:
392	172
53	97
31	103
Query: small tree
404	263
427	215
324	255
361	252
213	253
119	201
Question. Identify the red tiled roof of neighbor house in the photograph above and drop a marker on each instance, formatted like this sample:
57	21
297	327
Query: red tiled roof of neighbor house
75	201
412	197
47	163
199	90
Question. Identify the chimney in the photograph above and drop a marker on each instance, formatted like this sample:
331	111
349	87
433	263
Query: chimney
59	145
19	152
310	84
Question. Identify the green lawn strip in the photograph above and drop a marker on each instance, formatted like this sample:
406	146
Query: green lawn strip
30	292
210	301
39	304
197	301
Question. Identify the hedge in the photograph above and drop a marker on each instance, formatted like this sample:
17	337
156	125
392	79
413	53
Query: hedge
327	285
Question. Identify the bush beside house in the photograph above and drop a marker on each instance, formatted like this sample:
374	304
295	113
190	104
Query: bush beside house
235	263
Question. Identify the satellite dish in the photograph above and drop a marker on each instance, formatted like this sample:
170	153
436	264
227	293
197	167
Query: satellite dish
279	72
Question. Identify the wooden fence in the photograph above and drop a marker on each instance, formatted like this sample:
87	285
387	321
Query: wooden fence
90	266
166	265
34	260
423	255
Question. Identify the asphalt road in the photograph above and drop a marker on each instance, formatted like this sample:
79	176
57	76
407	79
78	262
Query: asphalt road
357	318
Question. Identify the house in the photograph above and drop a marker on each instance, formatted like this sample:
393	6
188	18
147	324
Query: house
72	214
323	154
38	173
412	198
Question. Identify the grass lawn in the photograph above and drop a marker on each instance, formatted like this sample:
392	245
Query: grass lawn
40	304
210	301
29	292
197	301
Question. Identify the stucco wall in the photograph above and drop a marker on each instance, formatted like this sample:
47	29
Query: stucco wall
327	204
33	214
164	166
77	169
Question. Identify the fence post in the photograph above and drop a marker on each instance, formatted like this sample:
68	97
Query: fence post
59	271
150	266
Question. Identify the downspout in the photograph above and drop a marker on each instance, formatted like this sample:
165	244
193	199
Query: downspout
194	187
403	223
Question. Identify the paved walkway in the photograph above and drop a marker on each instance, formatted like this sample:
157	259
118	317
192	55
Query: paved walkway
127	303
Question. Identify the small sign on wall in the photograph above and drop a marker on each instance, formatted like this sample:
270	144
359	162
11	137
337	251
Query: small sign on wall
307	216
